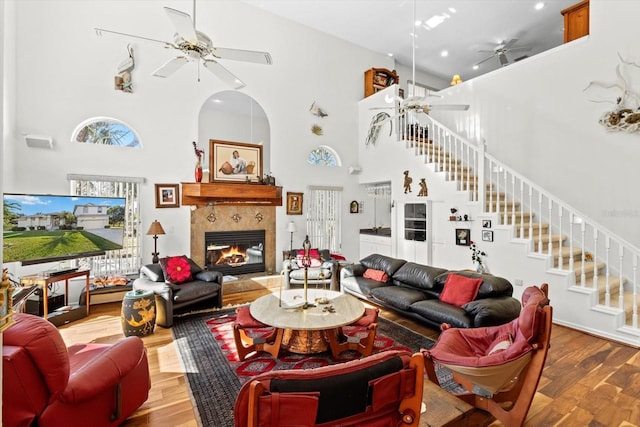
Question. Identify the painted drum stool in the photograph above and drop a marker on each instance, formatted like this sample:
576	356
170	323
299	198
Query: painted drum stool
138	313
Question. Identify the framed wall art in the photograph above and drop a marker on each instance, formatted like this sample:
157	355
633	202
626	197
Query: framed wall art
167	196
294	203
486	223
463	236
234	161
487	235
354	207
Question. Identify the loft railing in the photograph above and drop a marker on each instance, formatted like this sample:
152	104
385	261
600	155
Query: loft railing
600	259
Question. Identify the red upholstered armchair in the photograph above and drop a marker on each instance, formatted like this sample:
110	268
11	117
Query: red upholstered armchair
45	383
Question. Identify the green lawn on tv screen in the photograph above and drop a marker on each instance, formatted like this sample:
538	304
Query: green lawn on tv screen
26	245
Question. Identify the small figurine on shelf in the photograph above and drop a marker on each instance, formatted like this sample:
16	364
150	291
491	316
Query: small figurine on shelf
306	263
198	171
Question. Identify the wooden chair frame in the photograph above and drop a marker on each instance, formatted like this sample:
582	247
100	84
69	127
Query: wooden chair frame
511	405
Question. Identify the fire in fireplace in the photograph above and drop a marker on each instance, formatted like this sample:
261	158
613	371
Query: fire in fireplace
234	252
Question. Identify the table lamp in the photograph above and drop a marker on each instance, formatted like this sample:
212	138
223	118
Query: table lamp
291	228
154	230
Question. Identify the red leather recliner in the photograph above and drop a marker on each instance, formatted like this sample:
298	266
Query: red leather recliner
46	384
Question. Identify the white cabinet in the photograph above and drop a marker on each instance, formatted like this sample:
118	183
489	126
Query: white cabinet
414	241
374	245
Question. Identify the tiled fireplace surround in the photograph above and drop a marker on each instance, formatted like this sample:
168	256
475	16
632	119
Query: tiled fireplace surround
234	218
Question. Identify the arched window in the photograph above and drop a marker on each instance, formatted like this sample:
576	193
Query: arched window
106	131
324	156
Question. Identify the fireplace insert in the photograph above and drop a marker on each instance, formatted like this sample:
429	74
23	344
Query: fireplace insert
234	252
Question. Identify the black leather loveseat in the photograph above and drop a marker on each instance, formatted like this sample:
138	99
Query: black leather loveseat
203	290
415	290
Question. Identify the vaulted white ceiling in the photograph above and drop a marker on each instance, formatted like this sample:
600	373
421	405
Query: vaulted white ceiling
467	26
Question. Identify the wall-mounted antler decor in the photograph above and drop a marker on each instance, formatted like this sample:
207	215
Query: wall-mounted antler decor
626	115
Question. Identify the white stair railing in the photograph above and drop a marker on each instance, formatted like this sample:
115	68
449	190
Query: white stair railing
575	242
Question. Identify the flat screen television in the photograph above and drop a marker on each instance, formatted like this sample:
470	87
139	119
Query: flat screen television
41	228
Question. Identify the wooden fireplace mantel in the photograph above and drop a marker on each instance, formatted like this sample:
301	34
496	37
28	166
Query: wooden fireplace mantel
203	193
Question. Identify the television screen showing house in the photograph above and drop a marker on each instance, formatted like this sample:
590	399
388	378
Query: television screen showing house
44	228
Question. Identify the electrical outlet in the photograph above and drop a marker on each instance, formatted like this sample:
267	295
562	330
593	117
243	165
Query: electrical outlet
518	282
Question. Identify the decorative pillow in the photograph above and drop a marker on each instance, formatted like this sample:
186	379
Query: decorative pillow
153	272
313	253
207	276
176	269
377	275
315	262
501	343
459	290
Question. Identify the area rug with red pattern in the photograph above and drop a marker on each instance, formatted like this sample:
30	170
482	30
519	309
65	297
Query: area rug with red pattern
215	375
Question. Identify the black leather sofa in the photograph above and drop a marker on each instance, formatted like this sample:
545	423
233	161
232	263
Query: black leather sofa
204	291
414	290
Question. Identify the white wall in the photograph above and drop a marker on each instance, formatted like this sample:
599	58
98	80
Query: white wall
63	74
537	118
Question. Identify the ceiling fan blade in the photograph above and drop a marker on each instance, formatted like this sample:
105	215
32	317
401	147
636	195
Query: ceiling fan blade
449	107
183	24
99	32
170	67
241	55
222	73
523	49
510	43
485	59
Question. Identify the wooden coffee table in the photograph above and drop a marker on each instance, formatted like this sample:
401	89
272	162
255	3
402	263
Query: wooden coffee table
305	329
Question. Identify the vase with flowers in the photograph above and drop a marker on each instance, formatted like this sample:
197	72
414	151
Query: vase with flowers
199	153
476	257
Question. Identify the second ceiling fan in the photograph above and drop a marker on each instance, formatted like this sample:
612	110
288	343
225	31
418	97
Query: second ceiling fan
501	51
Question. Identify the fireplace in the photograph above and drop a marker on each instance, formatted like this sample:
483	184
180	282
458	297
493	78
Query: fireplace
235	252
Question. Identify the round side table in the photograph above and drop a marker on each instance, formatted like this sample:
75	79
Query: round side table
138	315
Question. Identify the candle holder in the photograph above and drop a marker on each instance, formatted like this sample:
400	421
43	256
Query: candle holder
306	263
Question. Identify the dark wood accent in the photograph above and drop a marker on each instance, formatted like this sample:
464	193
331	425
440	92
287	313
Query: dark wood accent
576	21
201	194
376	79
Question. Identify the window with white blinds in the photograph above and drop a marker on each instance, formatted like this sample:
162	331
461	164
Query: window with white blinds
128	259
323	218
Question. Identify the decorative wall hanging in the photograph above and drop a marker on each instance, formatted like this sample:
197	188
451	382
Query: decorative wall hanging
375	126
198	170
212	215
234	161
486	223
487	235
294	203
625	117
167	195
315	109
354	207
407	182
463	236
236	217
424	191
259	216
123	79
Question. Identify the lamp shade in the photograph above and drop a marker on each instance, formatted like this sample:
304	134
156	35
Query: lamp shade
456	80
291	227
155	229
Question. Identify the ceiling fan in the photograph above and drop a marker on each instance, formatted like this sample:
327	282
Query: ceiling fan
417	104
195	46
501	50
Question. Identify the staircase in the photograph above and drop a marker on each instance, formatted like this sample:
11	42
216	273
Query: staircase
595	264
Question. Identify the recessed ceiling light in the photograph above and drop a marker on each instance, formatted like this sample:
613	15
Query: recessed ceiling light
539	5
452	10
389	54
217	101
444	53
476	66
418	23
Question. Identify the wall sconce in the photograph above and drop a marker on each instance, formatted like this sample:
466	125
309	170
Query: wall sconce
456	80
291	228
154	230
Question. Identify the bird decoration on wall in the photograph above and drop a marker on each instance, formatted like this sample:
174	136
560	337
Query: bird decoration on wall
317	111
123	79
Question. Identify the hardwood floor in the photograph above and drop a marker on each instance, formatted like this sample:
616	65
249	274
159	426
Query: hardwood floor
587	381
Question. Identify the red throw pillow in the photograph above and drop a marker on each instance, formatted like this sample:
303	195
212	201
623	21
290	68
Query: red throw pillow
377	275
176	269
313	253
459	290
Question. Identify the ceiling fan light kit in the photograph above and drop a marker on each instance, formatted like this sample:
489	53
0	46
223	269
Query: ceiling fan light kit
195	46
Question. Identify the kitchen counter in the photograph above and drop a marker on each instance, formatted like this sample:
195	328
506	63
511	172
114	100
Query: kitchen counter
383	231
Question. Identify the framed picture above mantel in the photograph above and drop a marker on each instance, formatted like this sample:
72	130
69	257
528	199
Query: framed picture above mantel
234	161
